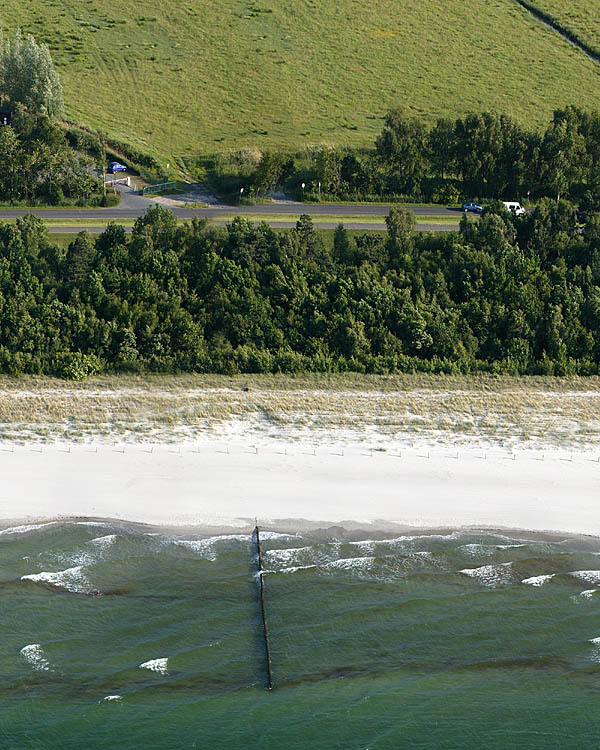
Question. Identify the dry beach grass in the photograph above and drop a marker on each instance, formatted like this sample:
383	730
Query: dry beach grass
405	450
382	412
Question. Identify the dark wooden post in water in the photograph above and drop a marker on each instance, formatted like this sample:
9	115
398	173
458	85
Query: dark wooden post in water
262	609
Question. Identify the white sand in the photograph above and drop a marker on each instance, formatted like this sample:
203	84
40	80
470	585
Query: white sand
210	486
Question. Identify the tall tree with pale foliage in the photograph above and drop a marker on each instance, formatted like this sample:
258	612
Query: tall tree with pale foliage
28	76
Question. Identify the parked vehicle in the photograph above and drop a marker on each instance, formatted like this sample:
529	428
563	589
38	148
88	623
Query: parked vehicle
514	207
471	206
115	166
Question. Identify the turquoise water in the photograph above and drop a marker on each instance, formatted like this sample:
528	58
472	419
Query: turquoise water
429	641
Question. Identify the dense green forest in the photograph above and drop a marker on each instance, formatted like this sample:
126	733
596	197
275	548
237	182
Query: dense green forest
482	155
38	164
505	294
40	167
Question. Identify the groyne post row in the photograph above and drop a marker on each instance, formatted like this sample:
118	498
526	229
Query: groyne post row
261	584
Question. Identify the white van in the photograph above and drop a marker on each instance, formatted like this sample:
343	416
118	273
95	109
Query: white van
515	207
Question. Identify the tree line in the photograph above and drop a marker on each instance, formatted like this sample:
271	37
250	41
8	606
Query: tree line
481	155
39	166
503	295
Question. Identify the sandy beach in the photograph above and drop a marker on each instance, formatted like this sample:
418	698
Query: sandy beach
216	452
288	487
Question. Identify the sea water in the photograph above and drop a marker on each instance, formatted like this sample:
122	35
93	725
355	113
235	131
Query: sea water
114	637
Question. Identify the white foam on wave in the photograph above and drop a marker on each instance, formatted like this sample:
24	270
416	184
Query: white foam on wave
416	537
228	538
591	576
201	546
319	555
368	545
72	579
276	535
35	657
92	523
27	527
292	569
205	546
85	557
156	665
583	595
112	698
476	549
350	563
490	575
80	558
538	580
283	556
595	657
404	539
303	558
104	542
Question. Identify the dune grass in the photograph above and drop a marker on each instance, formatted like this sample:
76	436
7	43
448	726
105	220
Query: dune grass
381	411
179	79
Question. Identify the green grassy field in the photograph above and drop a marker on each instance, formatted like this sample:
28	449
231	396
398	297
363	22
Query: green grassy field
377	221
581	17
184	78
342	219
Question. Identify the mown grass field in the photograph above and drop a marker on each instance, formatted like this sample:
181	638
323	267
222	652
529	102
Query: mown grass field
581	17
176	79
377	221
341	219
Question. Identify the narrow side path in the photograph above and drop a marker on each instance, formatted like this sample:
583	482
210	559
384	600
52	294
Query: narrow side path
565	33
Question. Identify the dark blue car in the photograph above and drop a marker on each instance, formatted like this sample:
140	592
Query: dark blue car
470	206
114	166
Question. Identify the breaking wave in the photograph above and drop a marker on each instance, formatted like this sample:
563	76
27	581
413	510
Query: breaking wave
156	665
538	580
71	579
103	542
591	576
27	527
490	575
35	657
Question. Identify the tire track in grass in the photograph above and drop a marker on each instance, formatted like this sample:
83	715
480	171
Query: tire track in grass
563	31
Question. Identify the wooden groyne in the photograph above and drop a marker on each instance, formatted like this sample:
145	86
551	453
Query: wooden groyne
261	584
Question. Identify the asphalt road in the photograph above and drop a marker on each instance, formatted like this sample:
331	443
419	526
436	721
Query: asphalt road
70	229
132	206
